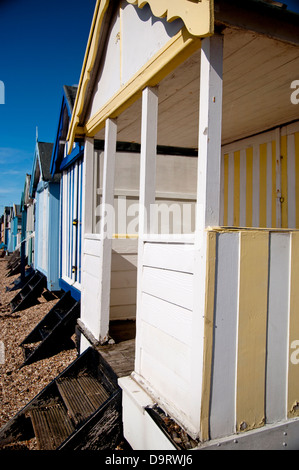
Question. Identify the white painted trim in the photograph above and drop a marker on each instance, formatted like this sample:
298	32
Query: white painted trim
278	178
269	184
249	141
222	405
148	156
278	326
208	201
256	186
291	181
242	188
210	121
149	129
88	184
107	221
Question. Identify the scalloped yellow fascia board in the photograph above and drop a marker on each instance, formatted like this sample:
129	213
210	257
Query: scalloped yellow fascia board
197	15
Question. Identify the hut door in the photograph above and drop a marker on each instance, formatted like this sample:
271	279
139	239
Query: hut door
72	223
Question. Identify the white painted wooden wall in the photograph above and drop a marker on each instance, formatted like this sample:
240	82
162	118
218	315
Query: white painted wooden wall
133	39
165	322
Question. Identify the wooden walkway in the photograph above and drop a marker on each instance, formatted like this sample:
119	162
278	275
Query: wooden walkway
121	355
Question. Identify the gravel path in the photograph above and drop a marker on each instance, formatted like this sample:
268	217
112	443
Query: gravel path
19	386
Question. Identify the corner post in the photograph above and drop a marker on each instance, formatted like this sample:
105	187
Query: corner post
207	212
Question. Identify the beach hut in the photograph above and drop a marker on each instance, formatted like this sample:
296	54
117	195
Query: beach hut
217	328
8	241
16	225
45	191
68	167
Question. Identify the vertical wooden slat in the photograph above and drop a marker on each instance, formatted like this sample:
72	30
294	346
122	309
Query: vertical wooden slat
230	209
222	408
251	357
249	178
269	184
263	186
293	365
297	177
277	329
284	181
274	217
256	186
291	181
208	335
236	220
242	221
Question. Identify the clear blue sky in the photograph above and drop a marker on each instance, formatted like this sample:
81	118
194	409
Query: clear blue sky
42	46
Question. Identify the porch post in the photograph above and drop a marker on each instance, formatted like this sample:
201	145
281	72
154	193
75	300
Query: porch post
147	195
210	121
208	208
107	224
88	185
148	158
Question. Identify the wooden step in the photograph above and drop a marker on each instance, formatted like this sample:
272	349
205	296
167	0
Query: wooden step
82	395
51	425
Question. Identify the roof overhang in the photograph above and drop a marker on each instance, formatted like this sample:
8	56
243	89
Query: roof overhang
249	15
197	16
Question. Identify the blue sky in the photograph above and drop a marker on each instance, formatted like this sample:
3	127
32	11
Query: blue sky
42	46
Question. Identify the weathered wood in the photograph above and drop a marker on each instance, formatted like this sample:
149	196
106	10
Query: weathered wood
51	425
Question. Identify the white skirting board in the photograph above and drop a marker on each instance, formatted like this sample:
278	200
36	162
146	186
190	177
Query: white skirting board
140	431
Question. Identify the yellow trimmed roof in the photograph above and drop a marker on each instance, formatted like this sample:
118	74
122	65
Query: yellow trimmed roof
197	15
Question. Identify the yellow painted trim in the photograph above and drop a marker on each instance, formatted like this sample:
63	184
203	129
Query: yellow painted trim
124	236
252	330
293	371
284	181
88	63
198	16
297	176
174	53
249	187
273	184
236	188
263	185
208	335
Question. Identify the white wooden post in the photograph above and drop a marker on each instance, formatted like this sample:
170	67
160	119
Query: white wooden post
107	224
88	164
147	196
210	121
148	158
208	194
